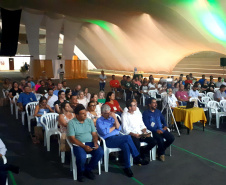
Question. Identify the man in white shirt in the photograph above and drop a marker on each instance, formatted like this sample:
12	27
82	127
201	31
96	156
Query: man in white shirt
172	100
152	85
51	98
4	168
61	72
219	82
220	94
133	125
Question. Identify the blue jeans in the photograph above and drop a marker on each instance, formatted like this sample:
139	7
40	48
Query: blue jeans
125	143
102	85
3	172
80	155
184	103
162	145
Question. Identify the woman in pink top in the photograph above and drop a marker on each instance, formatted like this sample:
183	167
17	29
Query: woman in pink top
137	81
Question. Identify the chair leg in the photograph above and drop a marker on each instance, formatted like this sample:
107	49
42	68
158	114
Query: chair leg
48	142
150	155
131	160
62	157
153	151
99	167
16	112
45	138
11	106
74	167
29	123
106	161
170	149
22	117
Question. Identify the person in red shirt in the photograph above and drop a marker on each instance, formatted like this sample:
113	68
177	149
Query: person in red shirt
115	107
188	81
115	85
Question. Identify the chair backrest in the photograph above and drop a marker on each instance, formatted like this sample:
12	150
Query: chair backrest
202	94
223	105
30	108
3	92
213	105
50	120
205	99
15	98
216	89
38	96
152	93
210	94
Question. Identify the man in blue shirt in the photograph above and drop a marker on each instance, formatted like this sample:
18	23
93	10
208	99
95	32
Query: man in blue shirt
108	128
26	97
82	134
201	81
29	81
155	122
59	87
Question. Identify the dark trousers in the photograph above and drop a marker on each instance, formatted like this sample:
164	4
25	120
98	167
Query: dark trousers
102	85
184	103
128	94
80	155
149	140
162	145
125	143
3	172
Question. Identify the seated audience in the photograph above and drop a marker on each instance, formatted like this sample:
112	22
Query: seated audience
37	85
137	109
68	94
64	86
101	97
108	128
144	89
128	88
176	88
29	85
40	109
152	85
43	88
182	95
181	81
94	98
51	98
187	87
155	122
172	100
137	81
6	86
61	99
82	99
91	113
29	80
123	81
50	84
135	89
201	81
64	118
194	93
15	90
204	87
4	168
211	86
115	86
86	93
82	134
133	125
220	94
26	97
73	101
188	81
76	90
22	84
113	104
219	82
59	87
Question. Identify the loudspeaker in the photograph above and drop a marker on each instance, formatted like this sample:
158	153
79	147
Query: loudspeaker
223	62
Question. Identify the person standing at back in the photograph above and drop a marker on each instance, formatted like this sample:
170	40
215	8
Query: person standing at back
102	78
61	72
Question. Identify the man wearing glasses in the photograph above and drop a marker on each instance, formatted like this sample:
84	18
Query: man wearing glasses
133	125
108	128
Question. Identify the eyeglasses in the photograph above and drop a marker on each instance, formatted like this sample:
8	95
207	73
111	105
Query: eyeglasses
92	106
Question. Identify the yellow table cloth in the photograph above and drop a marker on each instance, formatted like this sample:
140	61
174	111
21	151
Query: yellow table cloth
189	116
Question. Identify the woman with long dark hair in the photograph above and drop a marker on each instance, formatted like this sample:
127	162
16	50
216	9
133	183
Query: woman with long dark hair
113	103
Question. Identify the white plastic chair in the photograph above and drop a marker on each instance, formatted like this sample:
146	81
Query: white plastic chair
17	109
213	109
73	161
223	105
152	93
30	110
11	105
3	92
5	162
210	94
38	96
202	94
216	89
205	100
50	122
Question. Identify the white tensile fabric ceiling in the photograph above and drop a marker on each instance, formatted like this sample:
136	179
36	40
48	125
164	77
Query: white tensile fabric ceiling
152	35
